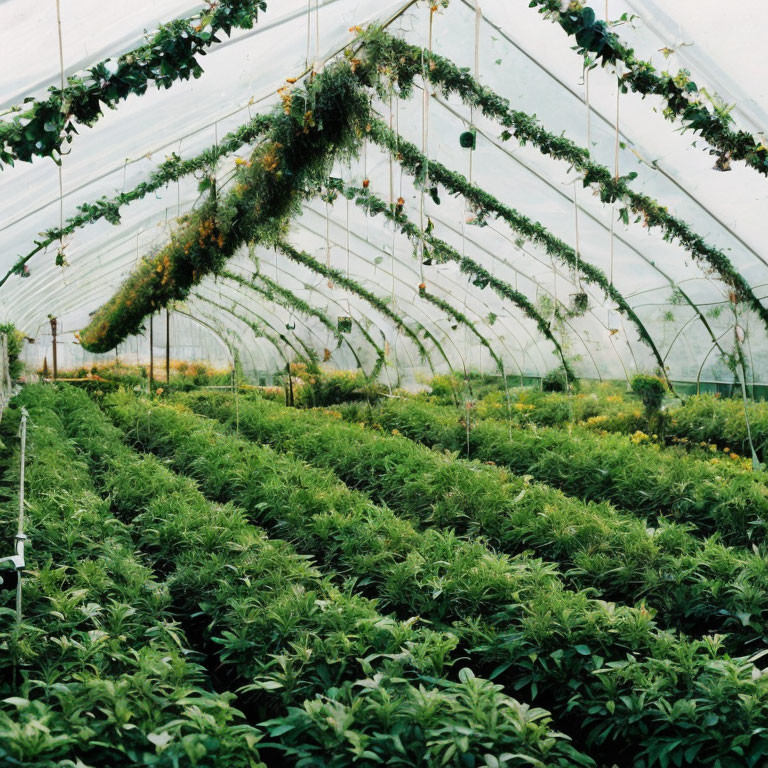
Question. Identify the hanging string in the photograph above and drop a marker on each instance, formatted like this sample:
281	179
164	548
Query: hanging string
615	173
392	197
576	270
589	109
61	159
309	33
348	250
425	141
317	34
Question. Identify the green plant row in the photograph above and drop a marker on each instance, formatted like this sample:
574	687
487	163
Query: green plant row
348	283
689	583
172	169
405	62
721	421
683	98
637	693
98	673
441	252
374	685
316	124
428	170
641	478
14	341
40	128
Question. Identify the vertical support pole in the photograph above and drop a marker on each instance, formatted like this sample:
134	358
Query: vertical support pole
20	536
54	330
167	346
151	354
290	384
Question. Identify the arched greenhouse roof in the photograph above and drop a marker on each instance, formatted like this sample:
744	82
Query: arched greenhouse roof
468	231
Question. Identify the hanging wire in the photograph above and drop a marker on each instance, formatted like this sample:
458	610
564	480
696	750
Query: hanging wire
61	159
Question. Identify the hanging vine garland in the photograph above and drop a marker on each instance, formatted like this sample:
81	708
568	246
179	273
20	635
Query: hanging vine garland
258	331
274	292
338	277
316	124
402	62
40	128
684	100
442	252
172	169
460	317
412	160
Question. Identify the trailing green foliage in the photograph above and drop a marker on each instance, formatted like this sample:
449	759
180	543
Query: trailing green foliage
442	252
170	54
15	341
558	380
289	632
316	124
98	673
683	98
541	637
426	169
172	169
337	276
323	387
639	477
404	62
683	579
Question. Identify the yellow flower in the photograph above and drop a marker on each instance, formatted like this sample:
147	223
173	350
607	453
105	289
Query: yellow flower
639	437
395	432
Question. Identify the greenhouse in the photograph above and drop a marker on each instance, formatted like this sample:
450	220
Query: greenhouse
383	383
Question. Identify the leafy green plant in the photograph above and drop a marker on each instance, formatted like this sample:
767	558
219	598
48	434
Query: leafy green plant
597	547
287	631
558	380
542	637
98	672
42	127
298	151
628	471
15	341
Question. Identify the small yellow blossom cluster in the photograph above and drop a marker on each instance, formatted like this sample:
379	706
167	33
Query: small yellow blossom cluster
639	437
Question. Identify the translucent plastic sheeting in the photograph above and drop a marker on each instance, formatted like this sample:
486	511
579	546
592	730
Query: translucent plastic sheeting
515	52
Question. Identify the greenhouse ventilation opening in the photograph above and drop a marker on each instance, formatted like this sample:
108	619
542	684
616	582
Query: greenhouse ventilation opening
357	341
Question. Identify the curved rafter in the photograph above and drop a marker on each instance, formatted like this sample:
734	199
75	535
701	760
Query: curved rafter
301	257
480	276
407	61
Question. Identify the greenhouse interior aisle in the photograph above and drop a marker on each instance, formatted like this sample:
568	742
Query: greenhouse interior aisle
383	384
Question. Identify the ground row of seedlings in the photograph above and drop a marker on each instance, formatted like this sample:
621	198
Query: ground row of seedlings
639	478
635	692
693	585
340	682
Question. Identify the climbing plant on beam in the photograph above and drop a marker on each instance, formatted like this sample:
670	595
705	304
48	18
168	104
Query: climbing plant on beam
684	100
317	123
40	128
403	63
287	299
258	331
441	252
416	163
172	169
337	276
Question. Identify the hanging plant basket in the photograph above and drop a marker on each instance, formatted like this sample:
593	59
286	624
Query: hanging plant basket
579	303
345	324
468	139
